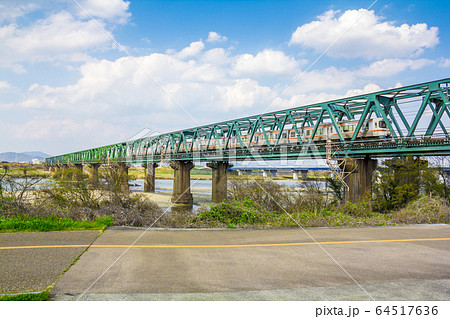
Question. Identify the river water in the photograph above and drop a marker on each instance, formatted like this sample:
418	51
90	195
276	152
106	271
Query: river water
161	185
204	186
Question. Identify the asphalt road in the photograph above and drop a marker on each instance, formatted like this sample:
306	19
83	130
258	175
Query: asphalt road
34	269
381	263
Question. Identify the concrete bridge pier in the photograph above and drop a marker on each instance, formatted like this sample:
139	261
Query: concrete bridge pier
359	180
219	180
93	174
62	169
122	170
304	173
149	177
55	169
181	196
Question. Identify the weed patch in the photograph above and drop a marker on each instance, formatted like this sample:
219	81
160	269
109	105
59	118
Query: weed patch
43	296
21	223
425	210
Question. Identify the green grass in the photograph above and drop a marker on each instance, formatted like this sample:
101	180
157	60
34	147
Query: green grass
42	296
248	214
24	223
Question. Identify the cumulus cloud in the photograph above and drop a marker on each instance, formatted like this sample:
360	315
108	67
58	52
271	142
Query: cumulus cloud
4	85
267	62
364	34
107	87
444	63
59	37
192	50
243	93
369	88
217	56
114	11
215	37
327	79
10	12
388	67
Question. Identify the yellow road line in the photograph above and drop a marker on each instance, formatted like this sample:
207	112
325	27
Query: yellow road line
233	246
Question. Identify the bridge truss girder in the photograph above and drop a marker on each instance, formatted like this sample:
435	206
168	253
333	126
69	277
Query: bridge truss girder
202	143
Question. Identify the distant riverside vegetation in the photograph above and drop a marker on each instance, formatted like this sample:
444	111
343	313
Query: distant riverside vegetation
405	191
25	157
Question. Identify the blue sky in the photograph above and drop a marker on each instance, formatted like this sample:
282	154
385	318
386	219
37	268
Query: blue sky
66	83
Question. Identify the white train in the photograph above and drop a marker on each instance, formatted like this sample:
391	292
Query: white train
372	128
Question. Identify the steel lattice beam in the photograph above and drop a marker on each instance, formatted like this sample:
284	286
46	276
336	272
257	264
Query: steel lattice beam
203	143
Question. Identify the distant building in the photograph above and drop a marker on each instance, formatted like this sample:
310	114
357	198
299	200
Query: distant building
36	161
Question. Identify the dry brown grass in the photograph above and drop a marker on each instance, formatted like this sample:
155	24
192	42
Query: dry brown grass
425	210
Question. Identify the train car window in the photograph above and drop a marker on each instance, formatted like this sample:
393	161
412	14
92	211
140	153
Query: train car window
292	134
382	124
376	124
283	135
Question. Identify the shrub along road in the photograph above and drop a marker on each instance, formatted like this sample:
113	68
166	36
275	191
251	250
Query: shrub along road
388	263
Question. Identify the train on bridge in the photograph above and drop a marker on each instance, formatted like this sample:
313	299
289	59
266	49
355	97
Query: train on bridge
374	128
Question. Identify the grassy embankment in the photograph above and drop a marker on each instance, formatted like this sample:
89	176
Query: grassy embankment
25	223
42	296
19	170
254	202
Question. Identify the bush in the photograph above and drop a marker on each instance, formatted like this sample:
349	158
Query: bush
71	198
234	213
360	209
264	193
403	180
425	210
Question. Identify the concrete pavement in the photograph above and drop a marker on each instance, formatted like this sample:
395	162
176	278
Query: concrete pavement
34	269
384	263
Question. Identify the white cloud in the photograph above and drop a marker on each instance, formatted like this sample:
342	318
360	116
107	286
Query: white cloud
324	80
194	49
10	12
444	63
110	86
4	85
58	37
364	35
215	37
244	93
387	67
217	56
369	88
267	62
115	11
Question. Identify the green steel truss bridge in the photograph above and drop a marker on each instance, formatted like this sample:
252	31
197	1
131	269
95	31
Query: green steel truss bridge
410	120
